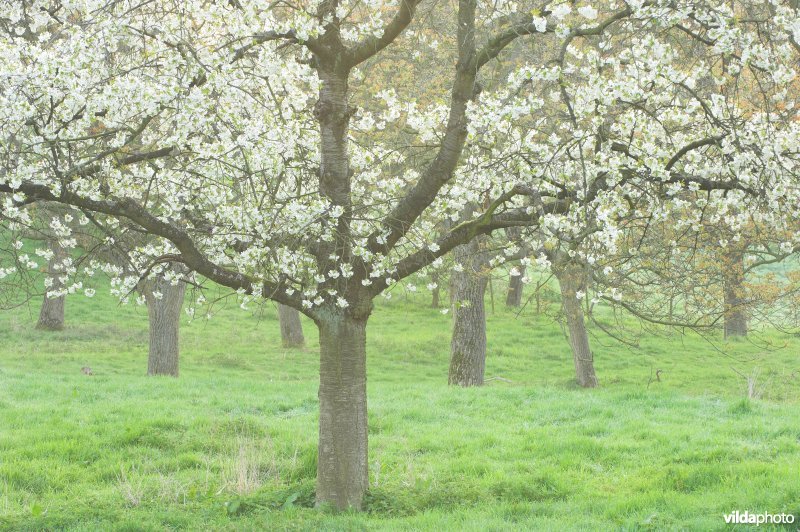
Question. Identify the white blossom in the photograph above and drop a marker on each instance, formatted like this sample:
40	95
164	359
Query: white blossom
587	12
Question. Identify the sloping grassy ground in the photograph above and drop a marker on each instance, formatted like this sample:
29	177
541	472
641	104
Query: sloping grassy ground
231	444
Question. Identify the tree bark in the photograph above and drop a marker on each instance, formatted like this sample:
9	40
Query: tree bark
515	286
342	473
572	279
51	315
468	343
164	314
291	327
735	313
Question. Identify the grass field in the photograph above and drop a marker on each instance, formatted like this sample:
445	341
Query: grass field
231	444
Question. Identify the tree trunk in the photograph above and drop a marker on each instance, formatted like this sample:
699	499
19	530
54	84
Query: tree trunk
515	286
342	474
435	292
164	314
735	313
51	315
468	344
291	327
572	279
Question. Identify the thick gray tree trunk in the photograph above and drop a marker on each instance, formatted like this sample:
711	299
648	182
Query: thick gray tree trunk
572	279
735	312
291	327
342	473
468	343
165	315
515	287
51	315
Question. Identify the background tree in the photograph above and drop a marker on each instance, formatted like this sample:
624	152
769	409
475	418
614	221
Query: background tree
475	263
164	304
468	291
573	280
51	315
291	326
516	286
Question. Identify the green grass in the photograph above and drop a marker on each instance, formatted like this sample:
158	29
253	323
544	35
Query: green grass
231	444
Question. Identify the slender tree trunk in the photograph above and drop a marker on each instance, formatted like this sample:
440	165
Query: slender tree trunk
342	474
468	344
735	312
164	313
572	280
51	315
515	286
435	292
291	327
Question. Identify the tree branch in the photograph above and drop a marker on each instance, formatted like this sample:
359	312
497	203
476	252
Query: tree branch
466	231
190	255
692	146
496	44
371	46
444	164
261	38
